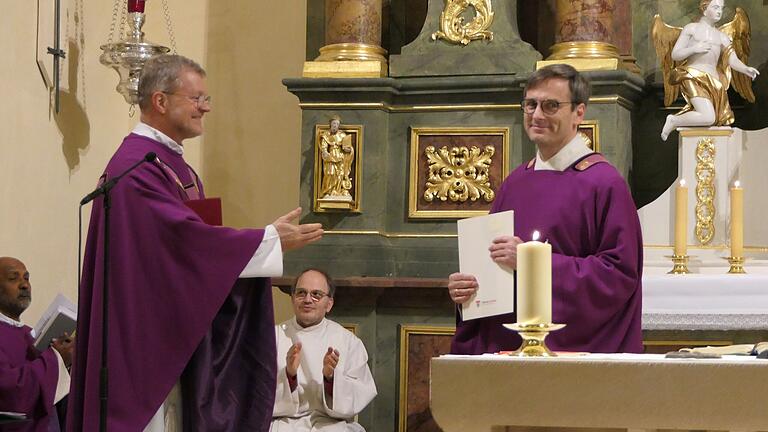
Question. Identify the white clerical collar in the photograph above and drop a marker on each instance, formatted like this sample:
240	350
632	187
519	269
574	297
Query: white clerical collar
573	151
148	131
310	328
10	321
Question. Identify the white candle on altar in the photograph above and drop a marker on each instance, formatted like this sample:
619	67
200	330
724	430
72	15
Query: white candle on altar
681	219
737	220
534	282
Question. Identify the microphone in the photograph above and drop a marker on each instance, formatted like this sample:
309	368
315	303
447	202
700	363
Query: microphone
109	184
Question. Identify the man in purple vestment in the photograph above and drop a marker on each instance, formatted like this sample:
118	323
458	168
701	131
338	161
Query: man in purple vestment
31	382
582	206
189	302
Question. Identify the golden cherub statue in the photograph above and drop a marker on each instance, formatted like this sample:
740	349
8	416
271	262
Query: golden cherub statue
699	59
337	154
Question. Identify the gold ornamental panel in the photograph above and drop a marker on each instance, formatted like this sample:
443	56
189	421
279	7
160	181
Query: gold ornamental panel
590	130
705	190
325	197
452	26
454	172
459	173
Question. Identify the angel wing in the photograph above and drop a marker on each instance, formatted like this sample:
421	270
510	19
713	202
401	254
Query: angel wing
664	37
740	32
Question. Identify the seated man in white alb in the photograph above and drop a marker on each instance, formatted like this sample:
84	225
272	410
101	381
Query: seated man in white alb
323	379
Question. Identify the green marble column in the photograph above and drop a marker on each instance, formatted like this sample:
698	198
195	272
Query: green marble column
504	53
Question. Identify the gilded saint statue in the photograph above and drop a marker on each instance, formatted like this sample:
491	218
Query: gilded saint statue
337	154
703	61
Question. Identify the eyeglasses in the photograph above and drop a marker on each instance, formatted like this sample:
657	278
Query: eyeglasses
197	100
548	106
316	295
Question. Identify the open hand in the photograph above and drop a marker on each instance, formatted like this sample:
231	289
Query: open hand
292	359
294	236
330	360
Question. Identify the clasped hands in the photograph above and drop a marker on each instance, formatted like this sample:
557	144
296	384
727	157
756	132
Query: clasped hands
503	250
292	361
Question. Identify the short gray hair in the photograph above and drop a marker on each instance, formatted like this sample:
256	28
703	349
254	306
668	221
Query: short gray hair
577	83
162	73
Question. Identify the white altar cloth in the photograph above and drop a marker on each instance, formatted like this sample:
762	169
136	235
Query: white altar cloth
637	391
705	302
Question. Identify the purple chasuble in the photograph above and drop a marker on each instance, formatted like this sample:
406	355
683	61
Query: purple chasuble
591	221
170	275
28	380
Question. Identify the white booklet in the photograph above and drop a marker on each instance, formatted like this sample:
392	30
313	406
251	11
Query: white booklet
496	294
60	317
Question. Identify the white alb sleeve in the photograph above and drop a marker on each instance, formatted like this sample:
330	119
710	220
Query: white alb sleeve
267	261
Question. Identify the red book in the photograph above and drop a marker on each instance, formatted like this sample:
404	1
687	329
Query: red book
208	209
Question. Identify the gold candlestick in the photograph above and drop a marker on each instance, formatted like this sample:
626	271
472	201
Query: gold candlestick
679	264
533	339
737	265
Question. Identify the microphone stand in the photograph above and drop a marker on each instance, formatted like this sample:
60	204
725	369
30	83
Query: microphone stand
104	190
104	373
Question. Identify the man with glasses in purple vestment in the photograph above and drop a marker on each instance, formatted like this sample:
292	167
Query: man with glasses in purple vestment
189	303
31	381
583	207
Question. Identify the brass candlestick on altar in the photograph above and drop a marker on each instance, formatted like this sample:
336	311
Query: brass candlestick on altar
679	264
533	339
737	265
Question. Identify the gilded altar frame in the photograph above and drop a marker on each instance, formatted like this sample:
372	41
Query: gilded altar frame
418	208
407	333
591	128
356	132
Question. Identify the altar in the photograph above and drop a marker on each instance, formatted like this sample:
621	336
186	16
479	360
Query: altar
600	392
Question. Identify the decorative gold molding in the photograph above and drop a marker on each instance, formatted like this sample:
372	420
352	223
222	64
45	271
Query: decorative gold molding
352	52
345	69
705	190
593	127
583	50
352	327
705	132
414	193
452	26
583	65
356	131
386	234
406	330
624	102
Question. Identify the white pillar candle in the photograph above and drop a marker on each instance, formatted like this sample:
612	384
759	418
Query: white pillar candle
534	282
737	220
681	219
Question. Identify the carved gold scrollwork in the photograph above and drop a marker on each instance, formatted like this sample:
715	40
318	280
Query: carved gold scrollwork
705	190
452	27
459	174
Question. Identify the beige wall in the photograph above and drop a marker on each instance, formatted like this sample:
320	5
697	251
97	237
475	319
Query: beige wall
49	162
253	135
